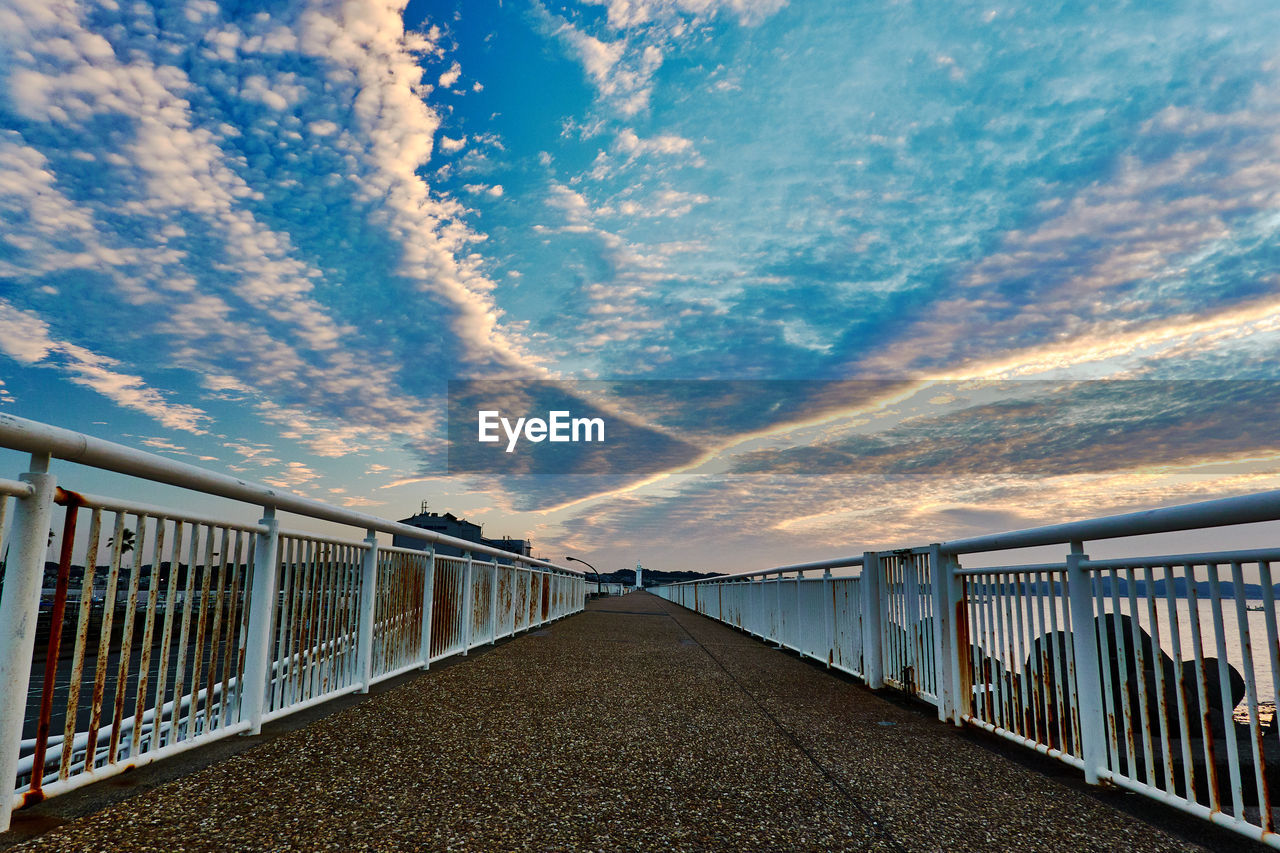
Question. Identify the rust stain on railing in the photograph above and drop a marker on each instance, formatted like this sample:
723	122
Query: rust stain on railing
72	501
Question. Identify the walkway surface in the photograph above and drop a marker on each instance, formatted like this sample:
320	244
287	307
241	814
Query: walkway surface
634	726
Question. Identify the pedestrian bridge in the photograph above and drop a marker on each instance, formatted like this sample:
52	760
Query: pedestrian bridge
547	721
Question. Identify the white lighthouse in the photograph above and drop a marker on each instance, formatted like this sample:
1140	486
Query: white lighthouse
639	571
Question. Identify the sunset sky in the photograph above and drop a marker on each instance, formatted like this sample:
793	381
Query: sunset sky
844	274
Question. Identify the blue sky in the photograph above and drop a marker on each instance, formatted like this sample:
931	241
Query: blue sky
264	237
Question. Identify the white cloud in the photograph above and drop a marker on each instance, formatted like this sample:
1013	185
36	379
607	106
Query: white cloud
494	191
630	14
622	69
627	142
1121	270
625	85
448	78
248	322
279	94
291	475
25	337
367	41
355	500
164	444
664	203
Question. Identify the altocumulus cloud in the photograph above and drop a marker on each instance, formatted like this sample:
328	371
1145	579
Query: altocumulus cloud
177	168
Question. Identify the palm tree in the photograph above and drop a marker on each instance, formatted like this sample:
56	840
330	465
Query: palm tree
126	542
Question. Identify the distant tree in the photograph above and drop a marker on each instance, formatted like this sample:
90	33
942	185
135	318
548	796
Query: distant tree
126	541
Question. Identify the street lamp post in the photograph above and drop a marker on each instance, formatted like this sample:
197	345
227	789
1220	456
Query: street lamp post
589	566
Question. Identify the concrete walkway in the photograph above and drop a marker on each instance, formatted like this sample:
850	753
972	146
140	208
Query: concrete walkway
634	726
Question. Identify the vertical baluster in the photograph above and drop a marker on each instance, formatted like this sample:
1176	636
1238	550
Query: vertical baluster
44	723
1251	696
82	640
1197	647
1022	694
280	660
166	637
148	637
1064	668
1119	633
215	630
1002	639
1038	660
104	645
1180	687
198	653
184	632
1110	702
984	666
126	658
1224	686
231	646
428	593
301	622
1162	710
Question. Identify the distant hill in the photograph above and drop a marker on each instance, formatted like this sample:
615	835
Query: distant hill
652	577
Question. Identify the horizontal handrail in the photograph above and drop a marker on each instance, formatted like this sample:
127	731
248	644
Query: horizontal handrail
1217	558
16	488
67	497
32	437
1012	570
817	565
1223	512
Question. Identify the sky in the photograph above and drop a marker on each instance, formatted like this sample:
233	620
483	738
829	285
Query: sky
841	275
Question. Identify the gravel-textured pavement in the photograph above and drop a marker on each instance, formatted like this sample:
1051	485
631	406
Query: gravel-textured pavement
634	726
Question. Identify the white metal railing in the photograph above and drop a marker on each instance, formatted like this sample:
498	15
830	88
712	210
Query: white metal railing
165	629
1159	674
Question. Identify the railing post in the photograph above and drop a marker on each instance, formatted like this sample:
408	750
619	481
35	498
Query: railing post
777	609
428	599
262	608
943	641
872	657
757	605
19	608
828	616
1084	642
959	658
799	632
909	566
368	611
493	604
466	609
